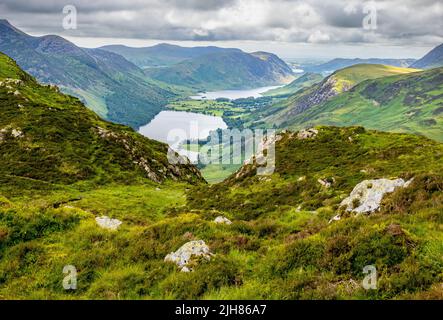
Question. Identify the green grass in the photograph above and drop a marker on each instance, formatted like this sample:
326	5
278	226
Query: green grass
271	251
60	175
209	107
406	103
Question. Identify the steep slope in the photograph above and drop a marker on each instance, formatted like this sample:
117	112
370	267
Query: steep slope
110	85
306	80
338	82
226	70
405	103
341	63
163	54
321	251
48	137
433	59
283	242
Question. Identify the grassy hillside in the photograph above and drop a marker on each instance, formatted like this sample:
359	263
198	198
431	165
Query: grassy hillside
107	83
280	245
405	103
48	137
294	252
225	70
282	113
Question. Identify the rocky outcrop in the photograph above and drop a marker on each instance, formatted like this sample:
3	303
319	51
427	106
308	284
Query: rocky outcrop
367	195
108	223
185	257
154	170
326	183
307	134
222	220
12	132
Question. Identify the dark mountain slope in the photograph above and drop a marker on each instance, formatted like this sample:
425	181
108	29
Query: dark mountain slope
162	54
109	84
433	59
226	70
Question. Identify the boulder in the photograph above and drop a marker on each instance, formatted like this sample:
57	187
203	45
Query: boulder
368	194
222	220
307	134
186	253
325	183
108	223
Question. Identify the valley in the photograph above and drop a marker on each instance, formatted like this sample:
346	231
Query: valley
102	170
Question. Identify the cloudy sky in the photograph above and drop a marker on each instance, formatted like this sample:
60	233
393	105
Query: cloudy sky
290	28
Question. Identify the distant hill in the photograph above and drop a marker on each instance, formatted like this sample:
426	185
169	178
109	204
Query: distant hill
162	54
341	63
109	84
433	59
304	81
338	82
232	69
48	137
404	103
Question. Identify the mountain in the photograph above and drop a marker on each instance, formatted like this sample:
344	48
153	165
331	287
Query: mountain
163	54
304	81
341	63
433	59
340	81
226	70
404	103
47	137
109	84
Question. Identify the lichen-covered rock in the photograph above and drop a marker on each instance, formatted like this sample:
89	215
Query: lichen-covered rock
335	218
307	134
186	253
222	220
367	195
108	223
327	183
14	133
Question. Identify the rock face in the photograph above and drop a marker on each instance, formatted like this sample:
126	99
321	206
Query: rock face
222	220
367	195
183	256
108	223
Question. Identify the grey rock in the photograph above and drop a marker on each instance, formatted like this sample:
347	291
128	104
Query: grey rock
368	194
184	255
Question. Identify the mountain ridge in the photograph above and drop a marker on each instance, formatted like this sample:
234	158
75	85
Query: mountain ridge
49	137
340	63
226	70
432	59
109	84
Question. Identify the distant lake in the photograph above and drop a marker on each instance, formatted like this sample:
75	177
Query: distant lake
233	94
181	126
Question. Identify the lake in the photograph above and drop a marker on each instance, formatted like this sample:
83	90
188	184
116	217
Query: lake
233	94
173	127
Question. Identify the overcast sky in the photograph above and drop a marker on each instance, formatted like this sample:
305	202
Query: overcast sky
290	28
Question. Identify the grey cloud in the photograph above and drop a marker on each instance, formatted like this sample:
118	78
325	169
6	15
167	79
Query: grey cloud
337	21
